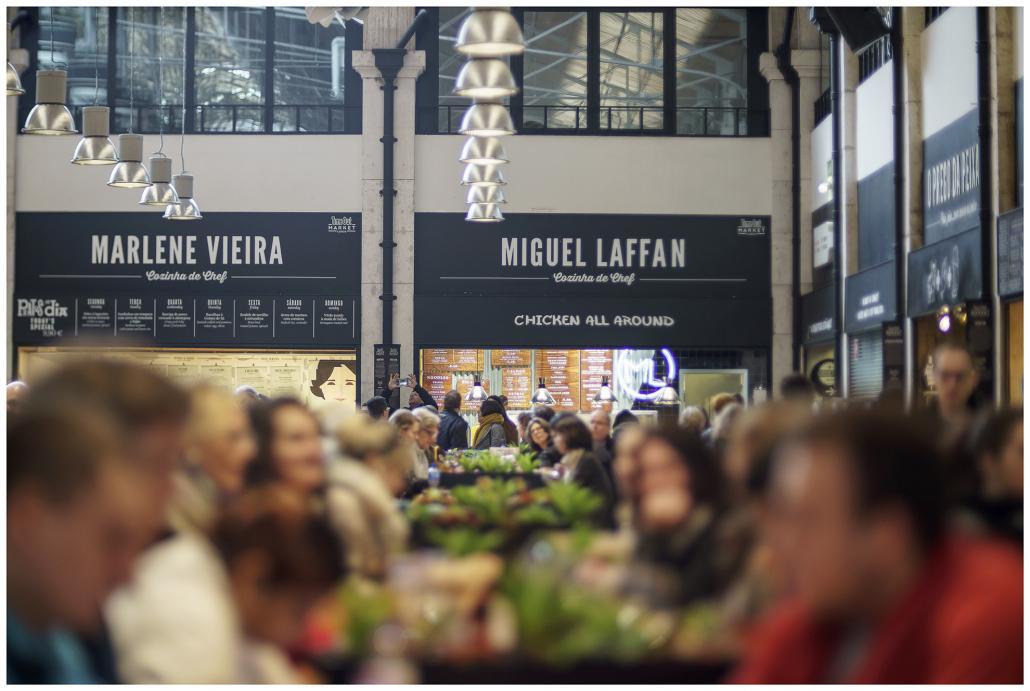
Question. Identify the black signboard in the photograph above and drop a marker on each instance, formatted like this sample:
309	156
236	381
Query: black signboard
876	217
1010	253
893	355
586	322
869	298
386	361
951	179
945	273
600	255
277	279
818	320
223	320
143	255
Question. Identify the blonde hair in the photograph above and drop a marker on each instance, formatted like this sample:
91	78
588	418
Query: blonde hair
361	438
427	417
403	419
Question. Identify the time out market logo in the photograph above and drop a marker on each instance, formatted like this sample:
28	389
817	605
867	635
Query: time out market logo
342	224
751	227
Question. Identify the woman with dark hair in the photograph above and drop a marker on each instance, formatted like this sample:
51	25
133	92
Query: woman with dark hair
994	451
681	492
511	430
289	441
572	439
538	433
334	381
490	432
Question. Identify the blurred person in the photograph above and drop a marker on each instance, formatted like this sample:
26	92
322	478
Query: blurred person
717	403
956	379
428	431
995	448
522	422
223	608
511	432
601	433
218	446
16	391
796	387
722	426
417	398
573	441
377	408
151	412
544	412
363	483
681	502
626	470
289	448
407	424
454	431
246	395
694	420
538	432
624	419
490	432
882	593
73	512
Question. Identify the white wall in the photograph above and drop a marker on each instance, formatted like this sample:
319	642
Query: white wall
233	172
822	156
875	121
949	68
577	174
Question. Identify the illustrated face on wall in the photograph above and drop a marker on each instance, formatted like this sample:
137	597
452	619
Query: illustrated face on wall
335	381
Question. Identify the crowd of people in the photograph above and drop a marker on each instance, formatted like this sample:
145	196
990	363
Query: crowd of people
159	535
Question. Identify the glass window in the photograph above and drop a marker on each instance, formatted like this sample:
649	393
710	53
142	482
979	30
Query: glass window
451	107
310	70
554	83
230	69
76	32
156	68
632	78
711	71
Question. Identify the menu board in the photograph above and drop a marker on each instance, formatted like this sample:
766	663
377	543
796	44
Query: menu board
593	366
452	360
437	384
1010	253
516	384
560	371
511	358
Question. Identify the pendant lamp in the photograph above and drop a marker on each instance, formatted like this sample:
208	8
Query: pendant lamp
667	395
485	194
605	393
95	147
129	172
50	115
490	32
483	150
476	394
186	208
487	119
485	79
14	87
488	175
542	395
484	213
160	191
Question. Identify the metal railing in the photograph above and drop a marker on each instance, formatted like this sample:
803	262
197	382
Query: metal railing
823	107
239	118
873	58
703	121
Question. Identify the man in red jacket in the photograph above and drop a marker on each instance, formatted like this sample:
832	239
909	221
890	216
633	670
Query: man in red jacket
880	593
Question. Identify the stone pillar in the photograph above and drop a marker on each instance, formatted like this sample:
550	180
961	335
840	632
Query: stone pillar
780	230
806	63
19	57
912	23
383	28
849	203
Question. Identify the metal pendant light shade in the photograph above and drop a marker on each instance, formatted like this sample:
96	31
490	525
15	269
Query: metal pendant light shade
485	194
14	87
476	394
488	175
186	208
485	79
487	120
542	395
484	213
483	150
129	172
50	115
605	393
666	396
490	32
160	191
95	147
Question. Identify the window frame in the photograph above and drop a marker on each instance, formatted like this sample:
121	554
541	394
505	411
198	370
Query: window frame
352	107
756	113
